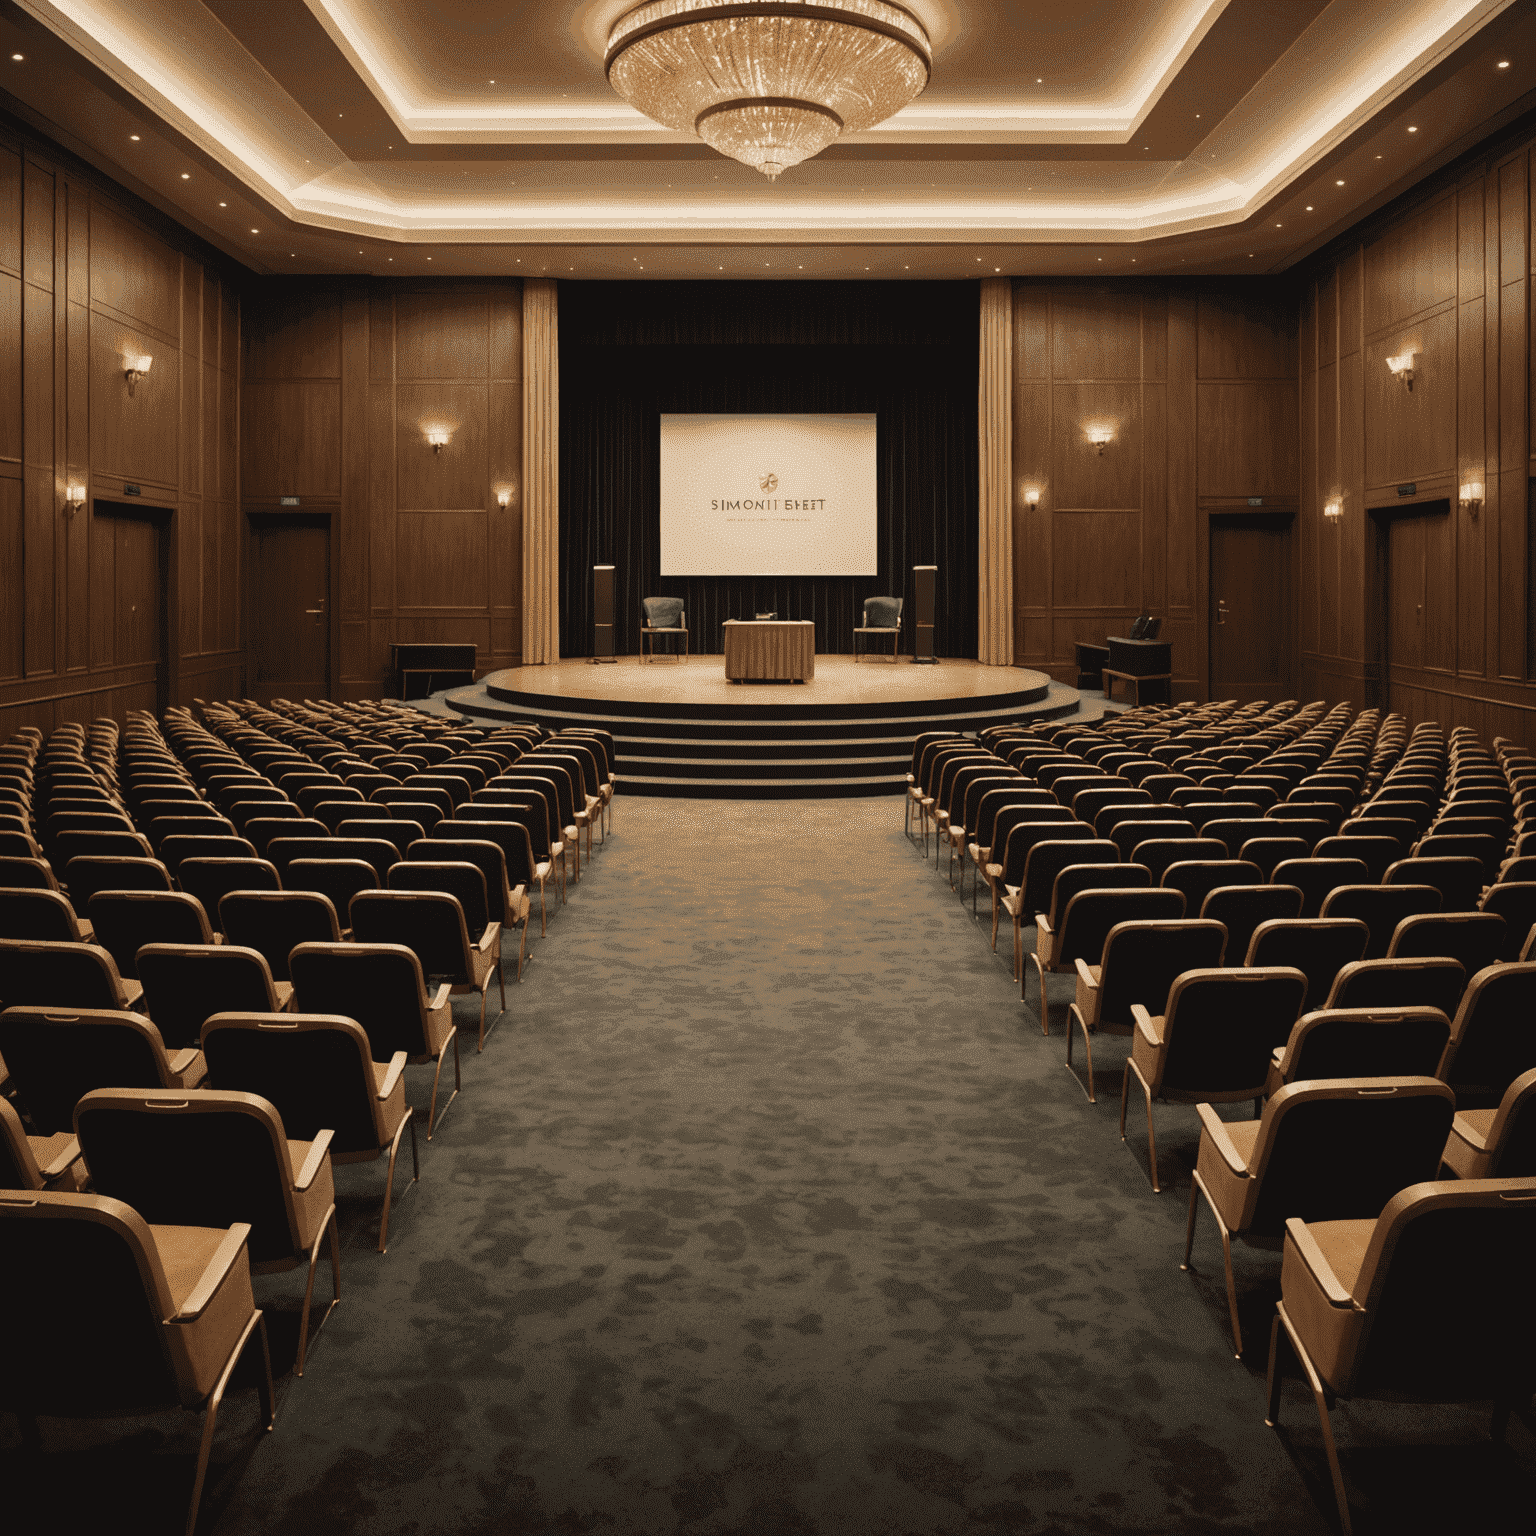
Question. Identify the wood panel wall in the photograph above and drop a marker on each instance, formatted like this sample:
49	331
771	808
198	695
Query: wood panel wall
342	381
88	277
1447	276
1199	385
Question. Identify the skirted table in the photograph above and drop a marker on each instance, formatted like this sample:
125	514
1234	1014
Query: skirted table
770	648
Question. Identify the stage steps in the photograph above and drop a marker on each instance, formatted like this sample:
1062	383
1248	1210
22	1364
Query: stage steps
749	752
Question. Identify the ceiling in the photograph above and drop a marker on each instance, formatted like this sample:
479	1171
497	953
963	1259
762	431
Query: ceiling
481	136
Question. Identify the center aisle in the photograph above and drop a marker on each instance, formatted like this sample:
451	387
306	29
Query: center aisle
765	1211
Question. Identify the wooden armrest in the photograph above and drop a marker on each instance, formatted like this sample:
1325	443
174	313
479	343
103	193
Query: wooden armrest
1144	1025
1474	1138
1215	1127
1318	1266
319	1150
1043	924
66	1155
492	935
993	871
439	999
1086	976
213	1277
180	1060
391	1077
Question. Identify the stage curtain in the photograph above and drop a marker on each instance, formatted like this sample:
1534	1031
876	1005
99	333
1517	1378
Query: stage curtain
541	471
632	351
994	420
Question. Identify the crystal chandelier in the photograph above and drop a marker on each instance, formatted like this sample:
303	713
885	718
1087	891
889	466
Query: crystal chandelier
768	82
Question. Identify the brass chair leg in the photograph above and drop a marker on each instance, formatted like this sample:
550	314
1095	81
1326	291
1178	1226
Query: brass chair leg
211	1413
1320	1397
1073	1015
1272	1404
389	1185
434	1120
328	1225
1194	1195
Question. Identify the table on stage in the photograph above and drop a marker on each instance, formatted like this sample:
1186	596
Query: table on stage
770	648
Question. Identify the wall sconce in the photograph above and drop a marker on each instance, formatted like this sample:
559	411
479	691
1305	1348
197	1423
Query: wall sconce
1402	366
438	437
503	498
1333	508
1032	496
1099	433
74	498
1471	496
136	369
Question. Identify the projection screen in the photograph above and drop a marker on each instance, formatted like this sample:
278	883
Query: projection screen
768	496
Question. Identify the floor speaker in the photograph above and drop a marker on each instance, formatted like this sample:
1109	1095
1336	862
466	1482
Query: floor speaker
602	613
924	580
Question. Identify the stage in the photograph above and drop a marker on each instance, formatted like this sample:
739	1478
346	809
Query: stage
683	729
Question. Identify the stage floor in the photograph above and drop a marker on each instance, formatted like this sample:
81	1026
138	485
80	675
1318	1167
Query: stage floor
701	680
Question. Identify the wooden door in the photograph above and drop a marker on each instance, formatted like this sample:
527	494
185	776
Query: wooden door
1250	594
130	624
290	604
1420	607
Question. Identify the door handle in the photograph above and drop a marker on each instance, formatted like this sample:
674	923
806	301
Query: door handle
1221	611
314	610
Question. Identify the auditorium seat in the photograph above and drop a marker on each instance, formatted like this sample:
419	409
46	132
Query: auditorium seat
62	975
274	923
1407	1041
1431	981
1493	1034
186	983
1317	947
1083	909
1320	1152
36	1162
1241	909
41	914
125	921
1497	1143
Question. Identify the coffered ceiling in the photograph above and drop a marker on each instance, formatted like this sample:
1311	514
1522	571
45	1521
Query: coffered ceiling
481	136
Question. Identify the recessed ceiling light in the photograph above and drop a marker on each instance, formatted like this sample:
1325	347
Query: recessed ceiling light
1309	207
1503	63
134	137
186	176
1413	130
1338	183
1279	226
997	269
18	57
255	231
223	205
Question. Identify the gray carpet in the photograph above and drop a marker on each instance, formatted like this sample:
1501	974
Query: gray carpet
768	1209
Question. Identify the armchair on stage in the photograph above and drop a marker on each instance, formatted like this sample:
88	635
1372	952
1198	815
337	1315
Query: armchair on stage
664	616
882	616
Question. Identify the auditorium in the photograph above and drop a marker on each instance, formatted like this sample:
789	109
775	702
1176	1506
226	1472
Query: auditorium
908	630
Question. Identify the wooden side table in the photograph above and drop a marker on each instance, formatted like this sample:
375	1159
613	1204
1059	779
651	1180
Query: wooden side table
1111	678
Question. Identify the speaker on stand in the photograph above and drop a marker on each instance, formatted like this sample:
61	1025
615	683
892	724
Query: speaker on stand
924	581
602	615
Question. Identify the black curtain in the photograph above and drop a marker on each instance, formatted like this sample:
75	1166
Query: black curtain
630	352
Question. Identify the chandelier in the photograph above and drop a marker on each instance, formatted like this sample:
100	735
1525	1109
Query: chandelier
768	82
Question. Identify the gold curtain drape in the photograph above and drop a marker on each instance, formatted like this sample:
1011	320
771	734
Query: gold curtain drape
994	638
541	471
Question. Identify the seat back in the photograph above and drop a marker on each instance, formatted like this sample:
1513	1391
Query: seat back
1046	862
204	1158
1381	908
1317	947
1367	1042
879	612
379	985
58	975
429	923
1315	878
274	923
1459	880
1486	850
1236	831
667	612
1378	854
1197	878
1074	879
26	874
1242	908
185	984
313	1068
1512	1136
373	851
1340	1150
37	914
1142	958
55	1056
1438	1240
1430	982
1268	852
1025	836
529	813
339	879
1222	1026
1475	938
91	1259
463	881
125	921
1515	902
1493	1037
1159	854
210	880
486	856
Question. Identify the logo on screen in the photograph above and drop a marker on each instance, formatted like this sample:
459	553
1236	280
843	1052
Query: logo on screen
769	482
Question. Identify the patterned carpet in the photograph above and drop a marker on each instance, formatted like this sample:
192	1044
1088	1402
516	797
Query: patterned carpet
768	1209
